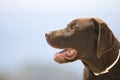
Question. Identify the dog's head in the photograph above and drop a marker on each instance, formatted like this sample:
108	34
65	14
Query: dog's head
81	38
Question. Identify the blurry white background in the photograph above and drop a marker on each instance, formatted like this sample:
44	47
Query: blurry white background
23	24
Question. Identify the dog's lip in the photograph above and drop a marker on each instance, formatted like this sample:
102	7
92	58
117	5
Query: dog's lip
65	54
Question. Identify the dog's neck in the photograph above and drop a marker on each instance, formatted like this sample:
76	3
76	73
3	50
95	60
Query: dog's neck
109	67
99	65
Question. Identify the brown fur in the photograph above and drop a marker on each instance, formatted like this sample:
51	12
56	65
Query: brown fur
95	43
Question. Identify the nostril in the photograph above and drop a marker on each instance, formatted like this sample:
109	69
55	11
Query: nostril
47	34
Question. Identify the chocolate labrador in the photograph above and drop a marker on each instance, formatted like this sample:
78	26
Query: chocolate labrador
91	41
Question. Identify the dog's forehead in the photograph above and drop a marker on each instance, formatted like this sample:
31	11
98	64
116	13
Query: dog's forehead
77	22
81	20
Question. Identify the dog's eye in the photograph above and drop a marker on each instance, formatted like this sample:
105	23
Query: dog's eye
71	28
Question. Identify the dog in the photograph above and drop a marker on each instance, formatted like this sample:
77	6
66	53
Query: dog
91	41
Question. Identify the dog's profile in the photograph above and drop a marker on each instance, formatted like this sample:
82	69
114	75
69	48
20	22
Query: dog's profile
91	41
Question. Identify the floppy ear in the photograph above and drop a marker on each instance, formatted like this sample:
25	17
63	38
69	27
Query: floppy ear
106	39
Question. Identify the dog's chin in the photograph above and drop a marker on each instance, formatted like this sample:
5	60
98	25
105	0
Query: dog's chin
66	55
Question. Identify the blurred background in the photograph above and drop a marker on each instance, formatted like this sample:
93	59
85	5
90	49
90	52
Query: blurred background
24	52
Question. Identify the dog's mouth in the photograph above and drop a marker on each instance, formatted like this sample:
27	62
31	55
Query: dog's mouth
65	55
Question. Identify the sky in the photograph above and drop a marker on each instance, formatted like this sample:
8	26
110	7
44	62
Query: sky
23	24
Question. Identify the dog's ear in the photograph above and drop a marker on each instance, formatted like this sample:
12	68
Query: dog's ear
106	39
